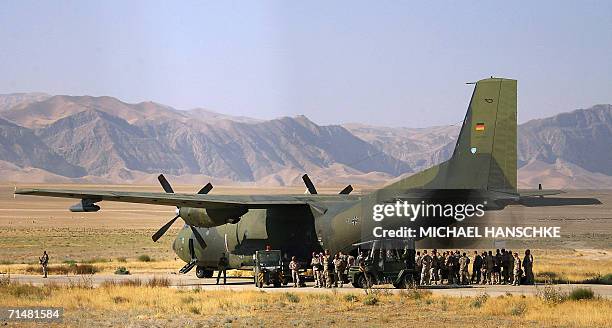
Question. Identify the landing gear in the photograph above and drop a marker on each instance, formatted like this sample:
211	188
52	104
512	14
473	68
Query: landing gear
202	272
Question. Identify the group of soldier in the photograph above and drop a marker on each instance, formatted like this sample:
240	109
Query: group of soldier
503	267
330	271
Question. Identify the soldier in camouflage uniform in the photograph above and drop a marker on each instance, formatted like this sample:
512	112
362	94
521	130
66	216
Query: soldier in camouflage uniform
517	270
317	269
44	262
464	264
426	268
339	266
328	269
435	267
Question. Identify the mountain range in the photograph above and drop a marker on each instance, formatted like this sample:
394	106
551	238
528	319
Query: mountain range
45	138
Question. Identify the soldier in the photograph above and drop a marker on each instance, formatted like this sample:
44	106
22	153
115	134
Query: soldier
490	261
294	266
44	262
497	263
517	270
435	266
339	266
426	268
441	267
450	264
315	263
506	256
350	260
483	269
457	267
321	271
328	269
528	267
511	272
476	267
222	268
464	265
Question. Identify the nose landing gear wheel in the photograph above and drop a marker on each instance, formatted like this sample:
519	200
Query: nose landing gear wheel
202	272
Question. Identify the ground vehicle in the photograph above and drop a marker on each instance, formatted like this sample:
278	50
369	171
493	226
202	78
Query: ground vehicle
269	269
386	265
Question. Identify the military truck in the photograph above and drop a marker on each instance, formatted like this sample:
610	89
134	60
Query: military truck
269	269
386	263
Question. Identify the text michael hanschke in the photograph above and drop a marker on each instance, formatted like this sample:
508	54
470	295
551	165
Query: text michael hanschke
459	212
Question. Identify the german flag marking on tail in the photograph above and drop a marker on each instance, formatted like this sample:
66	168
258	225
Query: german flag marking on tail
480	126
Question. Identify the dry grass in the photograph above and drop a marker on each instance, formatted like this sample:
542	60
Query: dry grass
113	303
575	266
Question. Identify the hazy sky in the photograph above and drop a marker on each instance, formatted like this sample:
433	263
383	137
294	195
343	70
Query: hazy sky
379	62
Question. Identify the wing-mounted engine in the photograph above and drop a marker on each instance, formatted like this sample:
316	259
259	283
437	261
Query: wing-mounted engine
208	217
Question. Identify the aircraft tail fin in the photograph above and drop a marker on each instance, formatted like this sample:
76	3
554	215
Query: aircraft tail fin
485	154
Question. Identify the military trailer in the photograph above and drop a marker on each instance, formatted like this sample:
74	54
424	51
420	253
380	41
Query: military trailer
269	269
387	262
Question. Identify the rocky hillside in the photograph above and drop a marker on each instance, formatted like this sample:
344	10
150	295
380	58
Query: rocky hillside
102	139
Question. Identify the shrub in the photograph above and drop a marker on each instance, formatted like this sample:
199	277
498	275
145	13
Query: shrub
479	300
599	279
518	308
122	270
370	300
551	294
85	269
293	298
119	300
121	259
70	262
350	298
158	282
144	258
581	294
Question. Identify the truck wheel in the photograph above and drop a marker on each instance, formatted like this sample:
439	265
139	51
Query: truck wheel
365	282
408	281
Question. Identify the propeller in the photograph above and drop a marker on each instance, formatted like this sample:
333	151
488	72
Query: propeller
309	185
313	191
168	189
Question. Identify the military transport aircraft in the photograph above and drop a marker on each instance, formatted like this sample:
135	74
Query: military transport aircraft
482	168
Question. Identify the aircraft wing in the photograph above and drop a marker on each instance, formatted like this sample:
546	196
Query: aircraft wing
169	199
540	192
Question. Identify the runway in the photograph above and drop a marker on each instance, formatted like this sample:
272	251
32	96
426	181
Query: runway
246	284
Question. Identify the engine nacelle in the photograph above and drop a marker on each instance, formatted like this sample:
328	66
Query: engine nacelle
85	205
208	217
